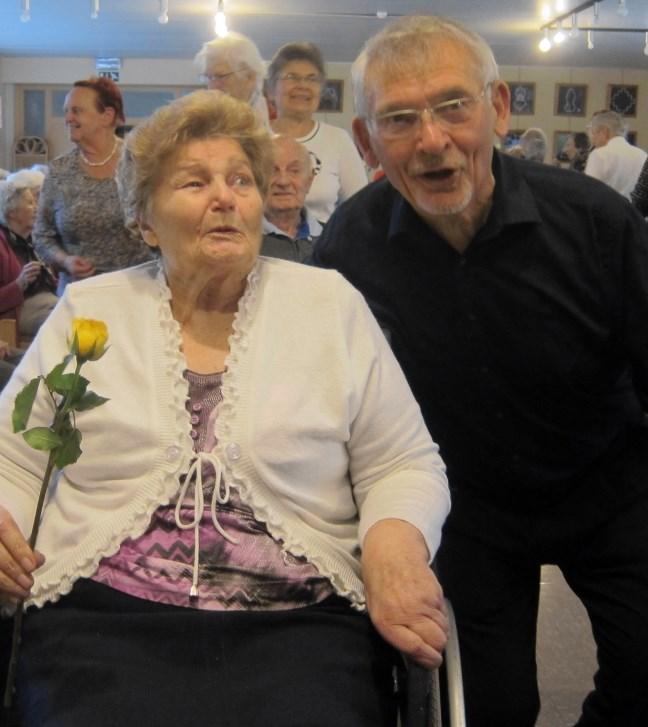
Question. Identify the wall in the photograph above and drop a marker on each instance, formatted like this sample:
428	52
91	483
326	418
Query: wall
178	76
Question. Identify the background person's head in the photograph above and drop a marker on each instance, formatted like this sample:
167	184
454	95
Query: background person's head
231	64
438	155
296	76
17	207
31	178
605	125
291	177
534	145
92	108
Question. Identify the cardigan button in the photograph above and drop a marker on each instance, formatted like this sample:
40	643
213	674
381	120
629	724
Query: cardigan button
173	453
233	451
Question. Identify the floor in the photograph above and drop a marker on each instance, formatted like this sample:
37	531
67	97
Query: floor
565	654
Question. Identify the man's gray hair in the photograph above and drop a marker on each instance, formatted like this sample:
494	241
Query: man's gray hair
610	120
403	47
237	50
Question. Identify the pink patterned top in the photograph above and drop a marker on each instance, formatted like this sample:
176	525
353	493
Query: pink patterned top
226	560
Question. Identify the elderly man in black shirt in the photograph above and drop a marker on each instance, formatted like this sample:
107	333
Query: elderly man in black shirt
515	296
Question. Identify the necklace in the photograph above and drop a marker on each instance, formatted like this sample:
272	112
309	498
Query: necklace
104	161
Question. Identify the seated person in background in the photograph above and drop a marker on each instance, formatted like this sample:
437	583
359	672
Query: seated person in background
613	160
577	148
289	228
247	536
31	179
27	287
533	144
234	66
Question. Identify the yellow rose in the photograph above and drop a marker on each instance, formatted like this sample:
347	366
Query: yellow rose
90	338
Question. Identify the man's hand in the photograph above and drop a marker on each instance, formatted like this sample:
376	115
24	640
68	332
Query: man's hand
17	561
404	598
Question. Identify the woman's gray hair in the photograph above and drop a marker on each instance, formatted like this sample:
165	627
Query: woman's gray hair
195	117
298	51
403	48
30	178
534	145
10	195
237	50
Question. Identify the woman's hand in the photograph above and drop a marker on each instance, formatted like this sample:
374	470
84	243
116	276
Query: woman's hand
404	598
77	266
28	274
17	560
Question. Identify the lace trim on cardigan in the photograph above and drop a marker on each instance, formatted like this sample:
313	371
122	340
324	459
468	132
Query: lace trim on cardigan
169	480
235	471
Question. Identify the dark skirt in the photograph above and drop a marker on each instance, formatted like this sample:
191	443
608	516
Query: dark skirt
100	657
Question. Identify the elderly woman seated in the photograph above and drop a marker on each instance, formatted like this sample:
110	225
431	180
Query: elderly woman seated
289	228
246	537
27	287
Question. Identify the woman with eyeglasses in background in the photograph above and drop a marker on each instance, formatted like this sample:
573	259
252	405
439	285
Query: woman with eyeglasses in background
295	81
234	66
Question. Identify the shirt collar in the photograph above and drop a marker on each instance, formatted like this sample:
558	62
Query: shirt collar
513	204
308	228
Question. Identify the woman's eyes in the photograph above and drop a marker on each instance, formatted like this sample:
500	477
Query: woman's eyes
242	179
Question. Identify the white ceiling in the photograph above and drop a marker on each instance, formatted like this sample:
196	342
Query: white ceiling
129	28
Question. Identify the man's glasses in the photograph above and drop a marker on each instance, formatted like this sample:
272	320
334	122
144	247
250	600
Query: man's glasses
313	79
404	123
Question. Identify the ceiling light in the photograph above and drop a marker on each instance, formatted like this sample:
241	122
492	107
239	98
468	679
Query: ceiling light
560	6
590	40
163	17
545	11
382	14
94	13
573	31
220	21
559	36
545	44
622	8
25	15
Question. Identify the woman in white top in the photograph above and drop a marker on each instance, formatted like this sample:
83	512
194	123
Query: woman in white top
295	80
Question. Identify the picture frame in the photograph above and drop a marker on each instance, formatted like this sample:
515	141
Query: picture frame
570	99
522	98
559	139
623	98
332	99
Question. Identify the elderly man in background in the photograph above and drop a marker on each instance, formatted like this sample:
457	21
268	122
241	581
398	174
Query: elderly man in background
516	298
613	160
289	229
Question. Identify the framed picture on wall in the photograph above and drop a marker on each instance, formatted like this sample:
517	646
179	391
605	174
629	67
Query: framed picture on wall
571	99
623	99
522	98
560	137
332	96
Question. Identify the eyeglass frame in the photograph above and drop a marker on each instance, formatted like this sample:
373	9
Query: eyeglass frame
431	111
210	77
313	79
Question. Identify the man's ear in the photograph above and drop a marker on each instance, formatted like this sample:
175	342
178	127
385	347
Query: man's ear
363	141
501	102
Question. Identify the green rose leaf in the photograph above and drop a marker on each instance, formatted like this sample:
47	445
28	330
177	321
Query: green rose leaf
23	405
42	438
90	400
54	378
71	385
70	449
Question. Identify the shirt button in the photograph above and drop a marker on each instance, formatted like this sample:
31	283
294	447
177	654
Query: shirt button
196	407
233	451
194	434
173	453
195	418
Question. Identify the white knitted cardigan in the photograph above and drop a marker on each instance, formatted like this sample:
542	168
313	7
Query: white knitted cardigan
317	430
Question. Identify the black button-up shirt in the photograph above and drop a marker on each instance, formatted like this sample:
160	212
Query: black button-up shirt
528	353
